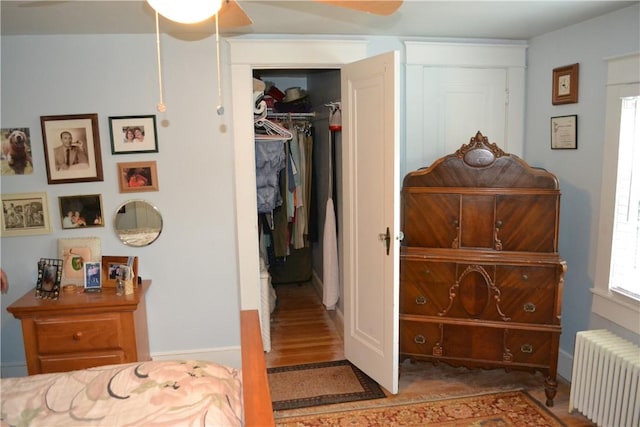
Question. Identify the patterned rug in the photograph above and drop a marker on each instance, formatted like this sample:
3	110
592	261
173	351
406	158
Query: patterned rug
314	384
504	409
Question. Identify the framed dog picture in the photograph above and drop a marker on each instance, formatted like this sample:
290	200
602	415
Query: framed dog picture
25	214
15	157
133	134
72	148
138	177
81	211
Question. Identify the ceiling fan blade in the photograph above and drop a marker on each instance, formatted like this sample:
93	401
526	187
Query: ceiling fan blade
231	15
377	7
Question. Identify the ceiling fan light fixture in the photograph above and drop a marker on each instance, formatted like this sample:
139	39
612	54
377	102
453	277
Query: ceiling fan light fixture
186	11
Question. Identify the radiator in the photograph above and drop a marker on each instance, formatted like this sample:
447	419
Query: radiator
605	383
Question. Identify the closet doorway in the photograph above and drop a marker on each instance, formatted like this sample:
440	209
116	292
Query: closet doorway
294	249
370	190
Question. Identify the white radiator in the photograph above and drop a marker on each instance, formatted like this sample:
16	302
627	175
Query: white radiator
605	383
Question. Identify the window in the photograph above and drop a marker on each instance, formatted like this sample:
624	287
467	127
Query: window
625	251
616	292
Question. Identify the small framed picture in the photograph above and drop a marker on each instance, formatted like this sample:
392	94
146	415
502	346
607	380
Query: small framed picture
25	214
72	148
138	177
133	134
565	85
49	278
93	277
15	157
112	266
75	253
81	211
564	132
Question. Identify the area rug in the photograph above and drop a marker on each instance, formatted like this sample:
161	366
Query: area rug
504	409
314	384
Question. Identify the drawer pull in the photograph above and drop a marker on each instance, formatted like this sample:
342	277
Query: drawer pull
525	277
498	224
421	300
427	271
419	339
529	307
77	336
456	222
526	348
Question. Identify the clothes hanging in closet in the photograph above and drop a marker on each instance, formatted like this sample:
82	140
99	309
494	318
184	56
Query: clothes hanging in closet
288	222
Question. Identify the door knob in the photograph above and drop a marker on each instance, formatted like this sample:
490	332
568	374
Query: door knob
386	237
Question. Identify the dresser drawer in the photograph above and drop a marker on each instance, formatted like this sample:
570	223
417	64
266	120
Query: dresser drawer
425	286
529	347
528	294
484	344
72	334
75	361
419	338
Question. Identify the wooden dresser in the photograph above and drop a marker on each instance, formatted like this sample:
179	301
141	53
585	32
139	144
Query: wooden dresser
82	330
480	275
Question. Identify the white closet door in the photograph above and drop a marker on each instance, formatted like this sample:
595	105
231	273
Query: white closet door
371	212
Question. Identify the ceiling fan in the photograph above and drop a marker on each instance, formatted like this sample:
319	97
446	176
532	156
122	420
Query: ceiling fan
231	15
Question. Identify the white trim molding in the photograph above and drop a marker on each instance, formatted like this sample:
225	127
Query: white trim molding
622	80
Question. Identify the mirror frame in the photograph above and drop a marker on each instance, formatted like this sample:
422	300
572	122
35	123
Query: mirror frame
146	242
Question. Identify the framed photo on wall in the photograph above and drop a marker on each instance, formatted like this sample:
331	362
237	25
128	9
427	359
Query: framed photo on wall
15	158
565	85
72	148
138	177
25	214
133	134
81	211
564	132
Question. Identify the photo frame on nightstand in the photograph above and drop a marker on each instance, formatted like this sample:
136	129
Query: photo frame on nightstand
49	278
93	277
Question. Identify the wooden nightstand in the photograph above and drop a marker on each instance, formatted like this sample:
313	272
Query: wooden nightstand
82	330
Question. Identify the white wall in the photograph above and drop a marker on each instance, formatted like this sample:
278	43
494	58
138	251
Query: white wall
193	301
579	171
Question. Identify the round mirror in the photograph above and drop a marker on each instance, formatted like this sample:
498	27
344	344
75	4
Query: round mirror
138	223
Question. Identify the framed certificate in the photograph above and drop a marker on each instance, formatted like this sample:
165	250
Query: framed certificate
564	132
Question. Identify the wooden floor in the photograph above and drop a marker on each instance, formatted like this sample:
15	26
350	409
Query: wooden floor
302	331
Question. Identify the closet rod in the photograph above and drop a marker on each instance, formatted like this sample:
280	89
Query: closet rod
271	114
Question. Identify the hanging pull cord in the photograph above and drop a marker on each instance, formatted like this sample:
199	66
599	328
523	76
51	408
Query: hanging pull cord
220	108
161	107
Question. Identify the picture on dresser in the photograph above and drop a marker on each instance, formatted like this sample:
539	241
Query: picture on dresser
25	214
81	211
71	148
112	265
49	278
92	276
75	253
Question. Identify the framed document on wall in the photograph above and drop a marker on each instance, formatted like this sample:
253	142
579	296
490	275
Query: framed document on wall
564	132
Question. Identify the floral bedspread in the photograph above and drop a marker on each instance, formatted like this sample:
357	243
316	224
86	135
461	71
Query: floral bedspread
162	393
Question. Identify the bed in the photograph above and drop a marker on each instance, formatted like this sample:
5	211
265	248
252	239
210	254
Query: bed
153	393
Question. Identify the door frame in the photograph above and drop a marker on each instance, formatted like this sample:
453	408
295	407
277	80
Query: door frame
245	56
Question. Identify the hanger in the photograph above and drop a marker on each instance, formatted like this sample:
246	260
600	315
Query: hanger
274	131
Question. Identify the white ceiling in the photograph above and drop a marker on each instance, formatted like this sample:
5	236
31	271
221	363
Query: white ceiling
514	20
